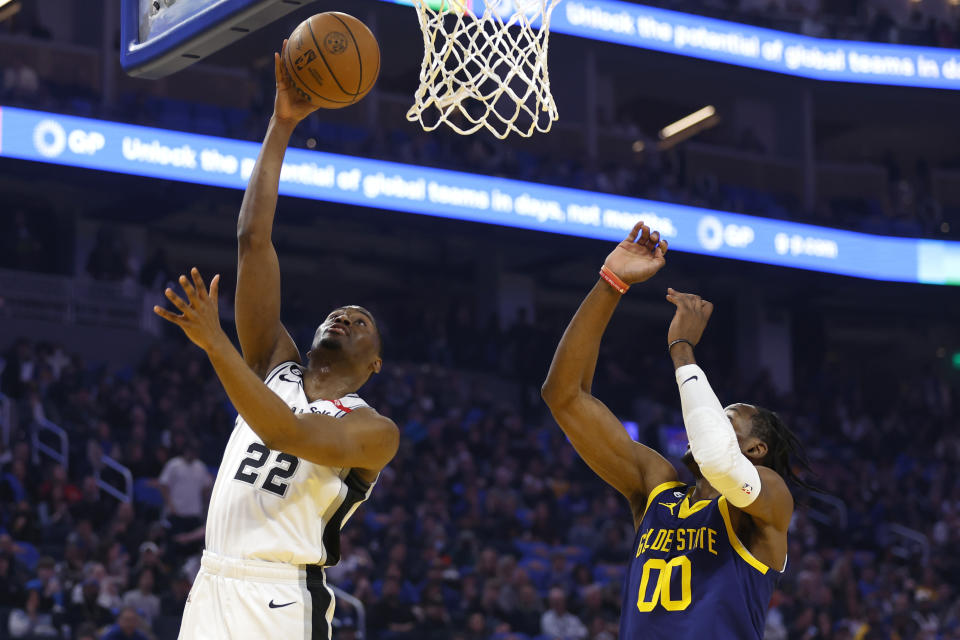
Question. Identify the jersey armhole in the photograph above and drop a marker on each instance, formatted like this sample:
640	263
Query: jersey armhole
276	370
657	490
738	546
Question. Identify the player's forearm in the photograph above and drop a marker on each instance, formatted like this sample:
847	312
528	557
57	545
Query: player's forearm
260	198
262	409
576	357
713	440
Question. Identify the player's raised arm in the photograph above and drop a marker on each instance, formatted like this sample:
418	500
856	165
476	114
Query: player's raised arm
263	340
600	439
755	489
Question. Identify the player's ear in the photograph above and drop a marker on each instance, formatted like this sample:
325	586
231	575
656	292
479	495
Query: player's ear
376	365
756	449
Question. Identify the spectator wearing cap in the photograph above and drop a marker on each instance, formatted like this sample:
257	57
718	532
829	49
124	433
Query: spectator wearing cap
151	559
127	627
143	599
185	483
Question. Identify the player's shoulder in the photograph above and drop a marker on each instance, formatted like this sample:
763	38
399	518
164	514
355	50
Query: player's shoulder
352	402
289	371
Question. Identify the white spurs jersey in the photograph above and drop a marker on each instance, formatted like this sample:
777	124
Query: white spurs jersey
272	506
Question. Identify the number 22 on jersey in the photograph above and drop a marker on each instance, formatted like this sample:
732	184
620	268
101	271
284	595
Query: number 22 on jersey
278	478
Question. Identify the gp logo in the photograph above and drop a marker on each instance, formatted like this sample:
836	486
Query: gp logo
50	139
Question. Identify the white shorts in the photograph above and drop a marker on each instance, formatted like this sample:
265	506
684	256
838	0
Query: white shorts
233	599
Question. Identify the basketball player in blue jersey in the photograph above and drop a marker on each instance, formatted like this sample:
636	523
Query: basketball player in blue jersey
306	449
706	555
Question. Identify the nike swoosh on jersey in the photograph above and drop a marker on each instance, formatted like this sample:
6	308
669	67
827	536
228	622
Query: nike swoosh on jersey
277	606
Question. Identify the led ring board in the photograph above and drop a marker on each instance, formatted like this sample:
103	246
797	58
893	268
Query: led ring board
392	186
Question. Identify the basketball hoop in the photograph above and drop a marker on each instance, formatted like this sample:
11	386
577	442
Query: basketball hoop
485	69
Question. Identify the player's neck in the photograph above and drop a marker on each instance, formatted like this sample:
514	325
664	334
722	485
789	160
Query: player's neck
703	490
329	380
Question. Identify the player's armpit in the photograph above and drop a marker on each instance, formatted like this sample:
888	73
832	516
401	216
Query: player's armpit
362	439
602	441
774	504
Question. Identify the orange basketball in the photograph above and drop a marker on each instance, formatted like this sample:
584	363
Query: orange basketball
332	59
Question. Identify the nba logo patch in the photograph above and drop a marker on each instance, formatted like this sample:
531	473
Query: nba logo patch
747	488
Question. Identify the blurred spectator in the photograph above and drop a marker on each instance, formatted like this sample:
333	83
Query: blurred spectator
88	609
559	624
21	246
108	259
127	627
185	483
155	272
142	599
391	618
33	620
20	80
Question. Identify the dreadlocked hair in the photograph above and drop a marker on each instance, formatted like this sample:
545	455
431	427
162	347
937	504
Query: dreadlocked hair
784	449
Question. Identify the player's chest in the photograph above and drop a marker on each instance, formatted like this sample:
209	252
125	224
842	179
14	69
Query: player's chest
676	525
273	474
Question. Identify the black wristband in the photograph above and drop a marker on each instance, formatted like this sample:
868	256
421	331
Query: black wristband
672	344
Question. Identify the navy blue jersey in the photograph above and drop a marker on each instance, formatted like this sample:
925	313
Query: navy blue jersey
691	577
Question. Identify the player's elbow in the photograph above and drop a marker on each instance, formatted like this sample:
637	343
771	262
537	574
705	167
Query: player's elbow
557	395
251	239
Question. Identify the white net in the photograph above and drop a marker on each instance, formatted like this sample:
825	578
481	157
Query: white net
485	66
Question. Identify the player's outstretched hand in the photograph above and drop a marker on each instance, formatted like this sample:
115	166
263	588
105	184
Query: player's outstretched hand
289	105
691	317
200	319
639	256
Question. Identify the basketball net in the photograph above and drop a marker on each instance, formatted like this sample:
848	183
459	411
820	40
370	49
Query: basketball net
485	69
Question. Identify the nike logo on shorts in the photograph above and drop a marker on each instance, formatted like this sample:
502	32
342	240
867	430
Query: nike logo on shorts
277	606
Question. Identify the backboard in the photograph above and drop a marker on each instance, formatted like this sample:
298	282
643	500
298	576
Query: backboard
160	37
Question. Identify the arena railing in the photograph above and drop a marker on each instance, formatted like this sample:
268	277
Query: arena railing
357	606
920	542
75	301
124	495
59	454
837	507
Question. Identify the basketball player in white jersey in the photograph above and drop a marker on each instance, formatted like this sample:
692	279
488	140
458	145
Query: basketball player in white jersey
289	480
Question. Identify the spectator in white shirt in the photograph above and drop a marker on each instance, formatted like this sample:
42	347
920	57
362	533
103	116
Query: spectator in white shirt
559	624
185	483
143	599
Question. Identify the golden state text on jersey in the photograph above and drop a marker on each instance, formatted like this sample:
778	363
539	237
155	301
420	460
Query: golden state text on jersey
690	576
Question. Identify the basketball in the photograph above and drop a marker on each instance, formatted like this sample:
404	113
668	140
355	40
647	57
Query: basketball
333	59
